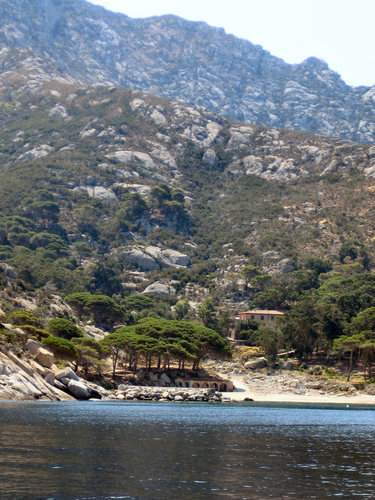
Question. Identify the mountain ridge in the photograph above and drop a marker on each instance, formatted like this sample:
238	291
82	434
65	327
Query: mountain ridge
191	62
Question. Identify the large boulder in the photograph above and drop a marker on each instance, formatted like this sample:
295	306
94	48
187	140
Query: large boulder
44	357
79	390
32	346
9	272
66	373
151	257
256	364
141	259
173	258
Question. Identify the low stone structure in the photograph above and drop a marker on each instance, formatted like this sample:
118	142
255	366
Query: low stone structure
217	385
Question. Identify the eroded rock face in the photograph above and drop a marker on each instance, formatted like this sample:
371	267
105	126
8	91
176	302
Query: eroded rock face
150	258
19	380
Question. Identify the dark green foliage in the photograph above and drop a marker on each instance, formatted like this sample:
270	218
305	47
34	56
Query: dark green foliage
164	340
103	309
138	302
33	331
61	327
61	347
23	317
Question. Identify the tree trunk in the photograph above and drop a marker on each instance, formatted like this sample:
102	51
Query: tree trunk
350	365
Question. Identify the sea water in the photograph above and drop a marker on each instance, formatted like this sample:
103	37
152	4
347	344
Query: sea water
136	450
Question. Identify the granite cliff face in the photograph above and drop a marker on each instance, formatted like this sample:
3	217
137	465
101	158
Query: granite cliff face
187	61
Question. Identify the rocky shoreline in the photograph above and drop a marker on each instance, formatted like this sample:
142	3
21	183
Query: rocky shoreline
143	393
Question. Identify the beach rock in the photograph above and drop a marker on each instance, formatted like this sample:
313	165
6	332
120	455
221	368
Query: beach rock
44	357
67	373
59	385
79	390
256	364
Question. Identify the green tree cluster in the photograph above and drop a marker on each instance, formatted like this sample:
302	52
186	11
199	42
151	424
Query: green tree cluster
164	341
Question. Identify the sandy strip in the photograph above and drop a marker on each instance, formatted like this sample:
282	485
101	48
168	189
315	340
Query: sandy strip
267	394
363	399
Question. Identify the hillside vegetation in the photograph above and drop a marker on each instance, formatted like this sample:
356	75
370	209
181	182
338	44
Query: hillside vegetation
153	208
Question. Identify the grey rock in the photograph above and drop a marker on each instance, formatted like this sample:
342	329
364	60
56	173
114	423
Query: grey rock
79	390
140	258
174	258
210	157
286	266
50	378
256	364
67	373
287	365
32	346
100	192
59	112
36	153
9	272
159	288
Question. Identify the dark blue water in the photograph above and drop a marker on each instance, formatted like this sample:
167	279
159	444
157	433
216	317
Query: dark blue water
184	451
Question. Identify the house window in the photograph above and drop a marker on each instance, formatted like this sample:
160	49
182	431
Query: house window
262	318
252	316
272	318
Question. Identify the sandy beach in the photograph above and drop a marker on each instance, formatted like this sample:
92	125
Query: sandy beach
275	390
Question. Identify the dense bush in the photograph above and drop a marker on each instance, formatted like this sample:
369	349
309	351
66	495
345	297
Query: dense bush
23	318
61	347
64	328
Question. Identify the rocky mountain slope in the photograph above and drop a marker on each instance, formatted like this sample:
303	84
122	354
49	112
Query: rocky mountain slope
186	61
171	197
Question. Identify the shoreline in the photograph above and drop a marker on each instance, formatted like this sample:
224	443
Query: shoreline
362	399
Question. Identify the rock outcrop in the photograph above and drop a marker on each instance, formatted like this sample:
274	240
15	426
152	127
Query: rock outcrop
23	380
150	258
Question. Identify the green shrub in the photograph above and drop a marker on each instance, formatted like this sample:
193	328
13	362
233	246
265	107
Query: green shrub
61	347
64	328
34	331
23	318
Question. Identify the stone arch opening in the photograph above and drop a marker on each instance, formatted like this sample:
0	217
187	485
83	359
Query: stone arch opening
223	387
195	385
